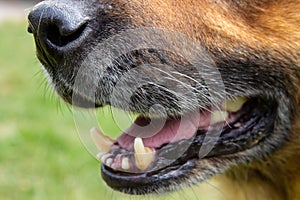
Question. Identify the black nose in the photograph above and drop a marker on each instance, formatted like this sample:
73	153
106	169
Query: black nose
57	27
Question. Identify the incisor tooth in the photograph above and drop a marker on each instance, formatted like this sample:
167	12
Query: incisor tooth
104	157
102	142
109	161
235	104
143	155
125	163
218	116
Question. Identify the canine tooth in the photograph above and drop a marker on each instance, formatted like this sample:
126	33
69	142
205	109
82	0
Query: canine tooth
234	105
125	163
139	146
143	155
218	116
102	142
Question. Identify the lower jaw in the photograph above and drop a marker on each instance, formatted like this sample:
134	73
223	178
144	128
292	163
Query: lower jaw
146	183
230	142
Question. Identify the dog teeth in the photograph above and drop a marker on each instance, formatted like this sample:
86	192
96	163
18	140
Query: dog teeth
109	162
104	157
218	116
143	155
125	163
234	105
102	142
139	147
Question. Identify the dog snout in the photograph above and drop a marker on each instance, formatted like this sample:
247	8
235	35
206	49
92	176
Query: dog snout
57	27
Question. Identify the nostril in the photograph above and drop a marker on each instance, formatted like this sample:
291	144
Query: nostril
29	29
59	37
56	25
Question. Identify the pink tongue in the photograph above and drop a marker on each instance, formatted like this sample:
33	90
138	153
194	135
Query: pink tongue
156	133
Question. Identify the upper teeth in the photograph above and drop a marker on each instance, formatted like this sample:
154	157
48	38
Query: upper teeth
234	105
102	142
218	116
143	155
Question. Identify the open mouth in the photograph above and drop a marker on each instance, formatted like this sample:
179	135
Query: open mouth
158	150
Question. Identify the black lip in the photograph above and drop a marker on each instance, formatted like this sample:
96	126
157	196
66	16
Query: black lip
140	184
257	126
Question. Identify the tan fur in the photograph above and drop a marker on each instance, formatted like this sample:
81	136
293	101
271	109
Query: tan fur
265	24
260	28
277	178
261	25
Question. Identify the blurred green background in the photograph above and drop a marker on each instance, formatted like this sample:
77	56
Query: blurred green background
41	156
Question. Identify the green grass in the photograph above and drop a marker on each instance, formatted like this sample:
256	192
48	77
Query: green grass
41	155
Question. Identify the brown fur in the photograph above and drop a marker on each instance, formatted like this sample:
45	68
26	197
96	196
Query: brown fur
258	24
266	32
269	24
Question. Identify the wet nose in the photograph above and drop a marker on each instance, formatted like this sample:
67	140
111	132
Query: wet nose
57	27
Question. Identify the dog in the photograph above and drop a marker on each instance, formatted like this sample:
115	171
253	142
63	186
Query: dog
217	82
